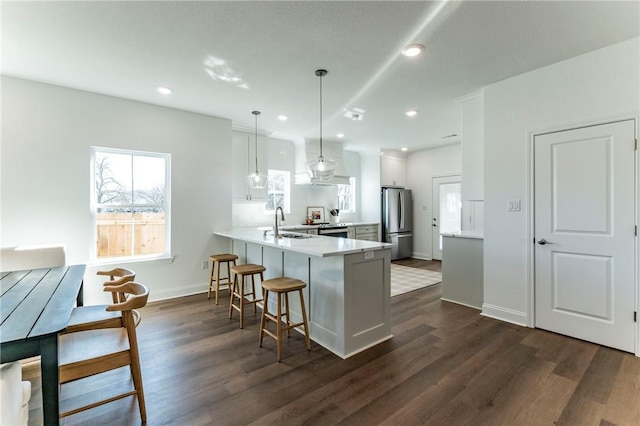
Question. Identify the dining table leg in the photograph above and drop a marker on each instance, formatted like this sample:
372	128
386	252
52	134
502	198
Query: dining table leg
50	380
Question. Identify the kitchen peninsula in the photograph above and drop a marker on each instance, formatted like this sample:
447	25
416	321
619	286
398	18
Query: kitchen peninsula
348	283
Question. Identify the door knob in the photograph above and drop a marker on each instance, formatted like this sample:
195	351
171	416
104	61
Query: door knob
542	242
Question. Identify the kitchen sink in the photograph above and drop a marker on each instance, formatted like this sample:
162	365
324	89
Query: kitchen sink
292	235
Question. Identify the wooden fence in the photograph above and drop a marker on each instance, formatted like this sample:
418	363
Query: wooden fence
124	234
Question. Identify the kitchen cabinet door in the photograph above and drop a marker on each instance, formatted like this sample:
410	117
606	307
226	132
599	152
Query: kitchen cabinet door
392	170
244	163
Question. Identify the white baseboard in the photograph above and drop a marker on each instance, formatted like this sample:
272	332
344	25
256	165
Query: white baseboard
185	290
460	303
504	314
421	256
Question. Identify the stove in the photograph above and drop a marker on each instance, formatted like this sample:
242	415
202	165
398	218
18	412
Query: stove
333	230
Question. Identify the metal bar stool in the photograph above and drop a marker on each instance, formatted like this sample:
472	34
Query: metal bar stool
239	289
218	260
280	286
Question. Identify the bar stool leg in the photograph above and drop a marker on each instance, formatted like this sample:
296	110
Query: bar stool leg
264	312
242	301
232	295
218	281
279	328
304	320
253	292
286	313
213	265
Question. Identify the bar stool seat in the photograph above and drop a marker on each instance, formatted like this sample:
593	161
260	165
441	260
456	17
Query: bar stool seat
218	260
239	289
280	286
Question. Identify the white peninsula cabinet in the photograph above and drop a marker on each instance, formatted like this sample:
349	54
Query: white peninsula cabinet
348	289
462	268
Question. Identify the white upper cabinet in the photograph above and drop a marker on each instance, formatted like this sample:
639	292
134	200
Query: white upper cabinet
472	146
244	163
392	170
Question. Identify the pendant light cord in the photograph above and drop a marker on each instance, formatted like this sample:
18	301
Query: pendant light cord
321	116
256	113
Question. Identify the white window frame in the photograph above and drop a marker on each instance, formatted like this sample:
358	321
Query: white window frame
352	196
166	254
287	191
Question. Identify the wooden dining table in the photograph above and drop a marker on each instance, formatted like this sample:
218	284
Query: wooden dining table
35	307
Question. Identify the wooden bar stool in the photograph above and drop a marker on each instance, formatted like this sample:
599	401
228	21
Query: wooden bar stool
280	286
239	288
218	260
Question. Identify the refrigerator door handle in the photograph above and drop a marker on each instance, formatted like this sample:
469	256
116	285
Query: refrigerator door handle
400	211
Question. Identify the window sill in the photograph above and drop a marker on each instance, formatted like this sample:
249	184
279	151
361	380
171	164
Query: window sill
121	261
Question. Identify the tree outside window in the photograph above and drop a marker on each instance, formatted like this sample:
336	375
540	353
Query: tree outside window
130	204
346	197
278	191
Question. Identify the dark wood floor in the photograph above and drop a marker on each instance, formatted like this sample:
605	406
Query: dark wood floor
446	365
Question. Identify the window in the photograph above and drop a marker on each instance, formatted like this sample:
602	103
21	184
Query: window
278	191
130	202
347	197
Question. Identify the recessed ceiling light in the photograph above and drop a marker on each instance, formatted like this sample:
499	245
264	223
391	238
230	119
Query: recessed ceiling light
340	135
164	90
413	50
404	148
411	113
283	117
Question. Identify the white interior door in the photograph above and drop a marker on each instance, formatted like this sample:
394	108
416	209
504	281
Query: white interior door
585	233
447	210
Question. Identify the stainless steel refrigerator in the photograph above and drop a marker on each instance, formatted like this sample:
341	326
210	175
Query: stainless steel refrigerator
397	221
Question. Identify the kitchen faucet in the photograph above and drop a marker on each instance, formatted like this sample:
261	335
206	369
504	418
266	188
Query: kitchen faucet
275	229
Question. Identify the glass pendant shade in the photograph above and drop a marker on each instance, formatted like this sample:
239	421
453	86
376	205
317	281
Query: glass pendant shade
256	179
321	168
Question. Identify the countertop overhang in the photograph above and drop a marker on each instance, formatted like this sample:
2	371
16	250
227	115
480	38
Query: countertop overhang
314	245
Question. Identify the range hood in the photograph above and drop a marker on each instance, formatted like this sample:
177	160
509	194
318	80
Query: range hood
309	151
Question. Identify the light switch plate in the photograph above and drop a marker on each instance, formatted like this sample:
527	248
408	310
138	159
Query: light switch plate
513	205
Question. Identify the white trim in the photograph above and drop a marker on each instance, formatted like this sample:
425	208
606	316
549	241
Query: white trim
530	303
504	314
460	303
421	256
177	292
470	96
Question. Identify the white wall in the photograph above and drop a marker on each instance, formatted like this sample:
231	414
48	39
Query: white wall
280	155
369	195
422	167
47	132
587	89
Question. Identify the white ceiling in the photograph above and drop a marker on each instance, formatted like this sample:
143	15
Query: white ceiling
127	49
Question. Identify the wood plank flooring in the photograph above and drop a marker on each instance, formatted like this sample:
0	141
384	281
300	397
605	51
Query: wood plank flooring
446	365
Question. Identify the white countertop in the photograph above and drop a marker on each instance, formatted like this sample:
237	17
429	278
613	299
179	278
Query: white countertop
316	245
477	235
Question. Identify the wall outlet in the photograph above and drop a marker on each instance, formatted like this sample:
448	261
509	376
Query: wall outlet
205	264
368	255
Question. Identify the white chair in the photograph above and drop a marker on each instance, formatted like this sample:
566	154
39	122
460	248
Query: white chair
14	395
32	257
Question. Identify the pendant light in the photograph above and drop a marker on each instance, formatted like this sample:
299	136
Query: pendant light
256	179
321	168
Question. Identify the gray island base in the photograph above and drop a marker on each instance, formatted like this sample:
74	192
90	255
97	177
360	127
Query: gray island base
348	289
